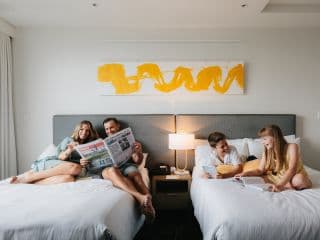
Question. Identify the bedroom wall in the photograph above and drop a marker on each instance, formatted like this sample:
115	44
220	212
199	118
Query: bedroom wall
7	28
55	73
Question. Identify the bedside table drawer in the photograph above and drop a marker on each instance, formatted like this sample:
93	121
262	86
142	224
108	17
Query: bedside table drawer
171	192
171	200
172	186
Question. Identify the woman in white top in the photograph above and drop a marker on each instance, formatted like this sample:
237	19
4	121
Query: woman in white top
223	154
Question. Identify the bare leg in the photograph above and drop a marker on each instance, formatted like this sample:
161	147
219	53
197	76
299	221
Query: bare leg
137	180
118	180
65	168
56	179
301	181
147	207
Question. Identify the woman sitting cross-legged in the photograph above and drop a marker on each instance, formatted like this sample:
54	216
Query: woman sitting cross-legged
64	166
281	164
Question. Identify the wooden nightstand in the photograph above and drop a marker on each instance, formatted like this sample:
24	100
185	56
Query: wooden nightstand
171	191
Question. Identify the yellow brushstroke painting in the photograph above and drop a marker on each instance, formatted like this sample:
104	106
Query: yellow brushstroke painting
170	77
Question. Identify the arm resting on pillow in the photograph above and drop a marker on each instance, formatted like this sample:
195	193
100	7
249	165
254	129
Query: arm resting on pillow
260	170
231	172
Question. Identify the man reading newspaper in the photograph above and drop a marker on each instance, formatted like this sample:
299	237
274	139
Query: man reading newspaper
114	150
124	174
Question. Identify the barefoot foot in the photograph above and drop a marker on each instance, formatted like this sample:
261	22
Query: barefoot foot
23	178
148	210
13	179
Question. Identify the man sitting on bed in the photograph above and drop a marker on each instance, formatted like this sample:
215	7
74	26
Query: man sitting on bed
127	176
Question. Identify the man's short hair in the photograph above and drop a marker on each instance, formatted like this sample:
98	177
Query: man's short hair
111	119
216	137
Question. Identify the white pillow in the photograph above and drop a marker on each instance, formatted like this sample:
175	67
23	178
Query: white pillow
256	147
241	145
290	138
143	162
201	155
49	151
203	150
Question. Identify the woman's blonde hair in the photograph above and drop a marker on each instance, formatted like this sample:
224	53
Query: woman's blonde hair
278	151
93	135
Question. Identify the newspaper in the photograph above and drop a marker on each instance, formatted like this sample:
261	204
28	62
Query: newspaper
114	150
253	182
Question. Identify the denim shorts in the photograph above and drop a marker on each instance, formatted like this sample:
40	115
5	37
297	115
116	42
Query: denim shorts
128	168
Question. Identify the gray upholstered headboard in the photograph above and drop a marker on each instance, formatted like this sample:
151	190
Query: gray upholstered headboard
151	130
232	125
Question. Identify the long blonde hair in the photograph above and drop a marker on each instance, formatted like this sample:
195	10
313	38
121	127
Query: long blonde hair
92	136
278	151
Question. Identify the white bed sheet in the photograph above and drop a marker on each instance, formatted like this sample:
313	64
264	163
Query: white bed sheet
87	209
226	210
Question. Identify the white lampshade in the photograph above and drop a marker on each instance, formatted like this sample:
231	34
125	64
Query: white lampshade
181	141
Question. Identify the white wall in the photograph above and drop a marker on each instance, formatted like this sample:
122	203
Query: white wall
55	73
7	28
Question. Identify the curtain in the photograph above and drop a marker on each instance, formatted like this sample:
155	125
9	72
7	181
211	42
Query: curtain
8	160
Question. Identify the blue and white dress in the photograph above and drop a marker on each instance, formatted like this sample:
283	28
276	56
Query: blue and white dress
47	162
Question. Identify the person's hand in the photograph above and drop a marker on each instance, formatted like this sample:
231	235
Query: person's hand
218	176
71	146
276	188
135	157
84	162
239	175
137	147
206	175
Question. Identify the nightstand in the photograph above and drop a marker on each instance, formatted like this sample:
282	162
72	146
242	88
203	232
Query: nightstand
171	191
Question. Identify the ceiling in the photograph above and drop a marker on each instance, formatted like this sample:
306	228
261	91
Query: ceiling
161	13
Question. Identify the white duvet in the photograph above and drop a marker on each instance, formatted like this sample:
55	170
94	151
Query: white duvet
226	210
87	209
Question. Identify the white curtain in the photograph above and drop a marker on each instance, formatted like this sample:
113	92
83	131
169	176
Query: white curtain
8	160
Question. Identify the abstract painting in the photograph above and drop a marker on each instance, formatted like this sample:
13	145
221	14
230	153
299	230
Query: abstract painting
150	78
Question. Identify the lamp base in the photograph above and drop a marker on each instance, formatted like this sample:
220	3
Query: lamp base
181	172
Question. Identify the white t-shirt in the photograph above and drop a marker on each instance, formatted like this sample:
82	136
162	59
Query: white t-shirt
231	158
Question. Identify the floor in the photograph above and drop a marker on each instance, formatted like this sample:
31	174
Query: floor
171	225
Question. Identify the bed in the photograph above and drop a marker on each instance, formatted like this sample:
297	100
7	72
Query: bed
227	210
85	209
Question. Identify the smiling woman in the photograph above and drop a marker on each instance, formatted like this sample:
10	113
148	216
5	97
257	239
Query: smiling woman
64	165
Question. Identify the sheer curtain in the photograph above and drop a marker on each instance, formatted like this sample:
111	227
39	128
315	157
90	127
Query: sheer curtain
8	160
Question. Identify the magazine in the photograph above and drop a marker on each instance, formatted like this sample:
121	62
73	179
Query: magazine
211	170
114	150
253	182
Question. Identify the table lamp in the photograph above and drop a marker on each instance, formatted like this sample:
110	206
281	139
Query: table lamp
181	141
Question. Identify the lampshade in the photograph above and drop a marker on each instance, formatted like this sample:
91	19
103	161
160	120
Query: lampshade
181	141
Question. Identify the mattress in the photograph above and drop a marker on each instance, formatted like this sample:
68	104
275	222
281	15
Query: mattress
227	210
86	209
